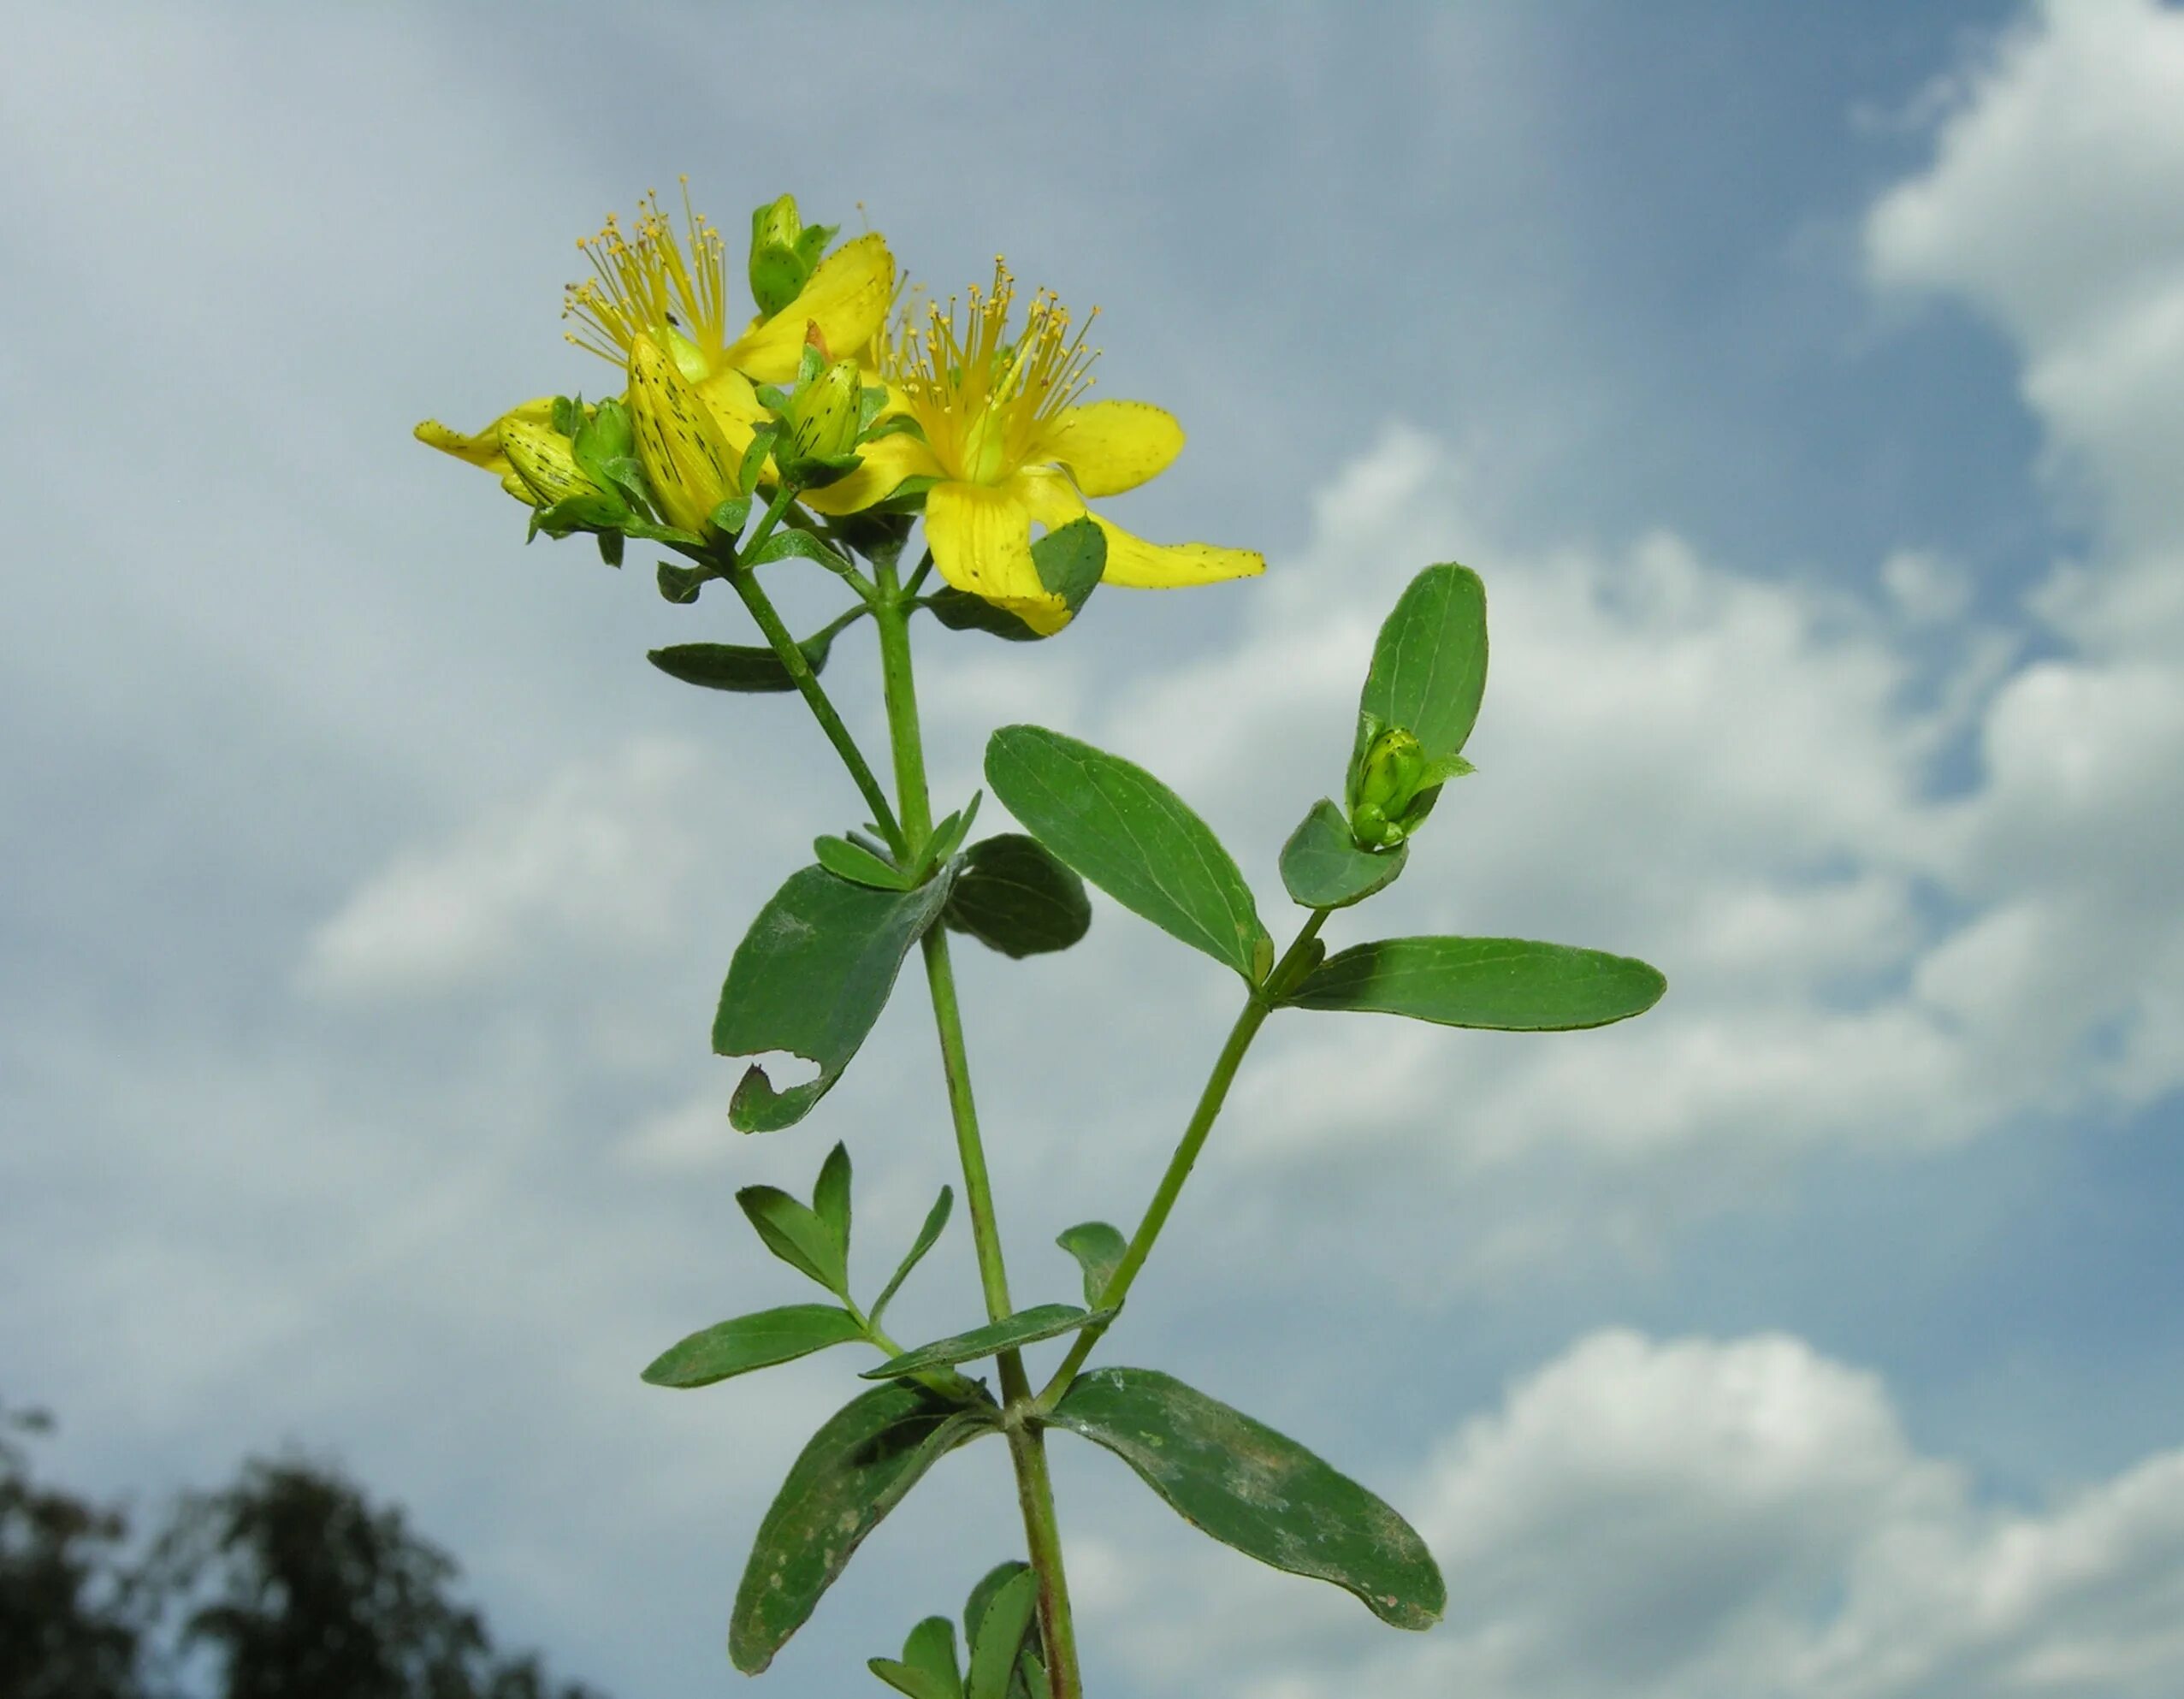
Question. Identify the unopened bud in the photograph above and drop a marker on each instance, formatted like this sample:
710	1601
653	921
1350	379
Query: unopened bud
1392	788
784	251
544	463
824	413
686	459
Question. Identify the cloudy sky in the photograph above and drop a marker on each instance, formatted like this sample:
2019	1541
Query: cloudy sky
1808	384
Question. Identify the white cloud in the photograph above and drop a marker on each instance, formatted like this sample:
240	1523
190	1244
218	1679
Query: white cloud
1707	1519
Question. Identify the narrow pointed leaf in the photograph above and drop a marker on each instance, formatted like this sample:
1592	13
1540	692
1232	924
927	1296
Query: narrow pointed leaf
1013	897
1501	984
1099	1249
1322	866
748	1342
795	1233
948	836
1257	1491
1001	1629
857	864
935	1219
831	1196
853	1471
811	977
738	667
1043	1320
1429	666
1130	835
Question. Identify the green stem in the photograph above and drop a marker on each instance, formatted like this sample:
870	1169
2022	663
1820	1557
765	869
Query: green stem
792	658
1026	1446
1256	1007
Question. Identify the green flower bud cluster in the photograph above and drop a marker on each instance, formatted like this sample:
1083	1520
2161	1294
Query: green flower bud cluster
821	420
1393	784
785	250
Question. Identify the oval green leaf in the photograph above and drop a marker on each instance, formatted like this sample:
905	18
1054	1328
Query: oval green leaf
1013	897
1322	866
853	1471
1041	1321
1257	1491
1130	835
1504	985
748	1342
737	666
917	1683
811	977
1099	1249
851	861
1002	1627
1429	665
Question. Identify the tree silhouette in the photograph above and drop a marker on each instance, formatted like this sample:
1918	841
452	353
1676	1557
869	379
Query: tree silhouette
68	1626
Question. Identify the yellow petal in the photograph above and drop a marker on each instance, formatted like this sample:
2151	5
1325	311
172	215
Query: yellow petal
1131	562
685	454
846	296
981	541
543	462
1109	446
886	464
482	448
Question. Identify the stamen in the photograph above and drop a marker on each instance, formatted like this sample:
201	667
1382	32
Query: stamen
646	285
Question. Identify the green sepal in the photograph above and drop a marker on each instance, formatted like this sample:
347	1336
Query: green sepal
754	1341
1117	825
798	1235
811	977
1026	1327
1322	866
610	548
728	519
762	445
936	1220
1257	1491
1013	896
681	585
853	1471
1100	1248
1496	984
816	471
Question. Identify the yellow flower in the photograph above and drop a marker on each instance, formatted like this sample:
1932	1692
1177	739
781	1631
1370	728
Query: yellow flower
1013	447
486	447
686	459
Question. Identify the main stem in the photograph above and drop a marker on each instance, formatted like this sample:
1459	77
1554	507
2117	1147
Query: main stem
1026	1443
1256	1007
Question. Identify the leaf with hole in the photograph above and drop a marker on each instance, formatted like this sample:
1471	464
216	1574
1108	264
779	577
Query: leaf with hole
853	1471
1499	983
811	977
1257	1491
748	1342
1026	1327
1130	835
1012	895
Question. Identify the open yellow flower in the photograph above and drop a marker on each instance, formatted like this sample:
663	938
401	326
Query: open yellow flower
1012	447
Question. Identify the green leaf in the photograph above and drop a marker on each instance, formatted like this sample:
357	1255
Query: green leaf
797	1234
948	836
981	1599
1099	1249
789	543
831	1196
749	1342
1013	897
1322	866
811	976
917	1683
681	585
740	667
1257	1491
1041	1321
1130	835
935	1219
1429	666
931	1649
853	1471
1001	1628
1502	983
1070	559
857	864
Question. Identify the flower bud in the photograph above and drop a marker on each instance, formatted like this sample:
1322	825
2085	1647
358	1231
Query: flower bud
686	459
824	414
544	463
784	251
1392	788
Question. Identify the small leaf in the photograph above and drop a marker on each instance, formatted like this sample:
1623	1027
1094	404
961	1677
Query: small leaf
948	836
855	1469
917	1683
797	1234
811	976
935	1219
1257	1491
831	1196
739	666
1001	1628
751	1342
1043	1320
931	1649
981	1596
1069	559
1501	984
1130	835
857	864
1013	897
681	585
1099	1249
790	544
1322	866
1429	666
